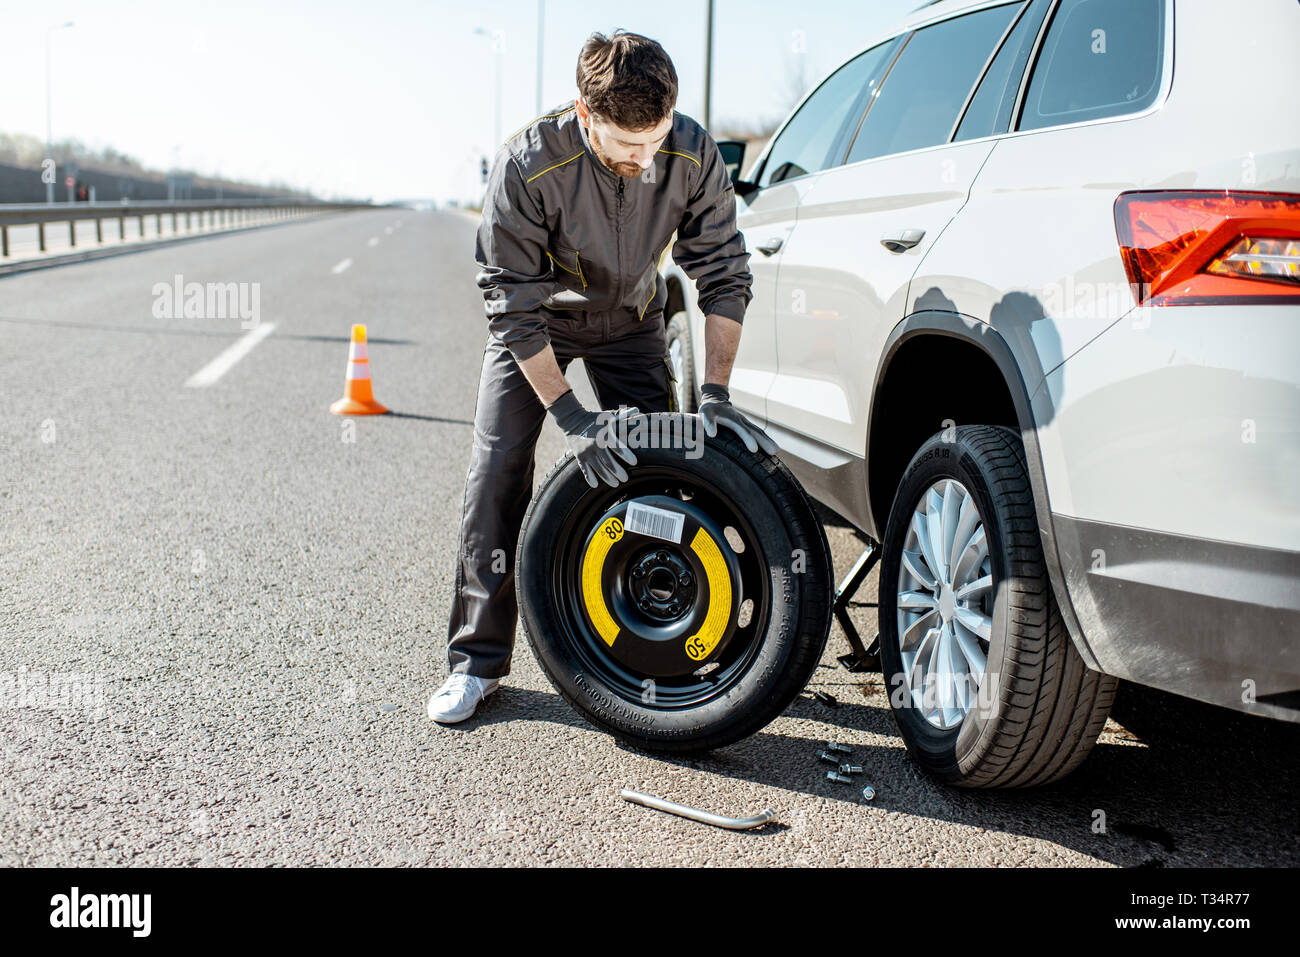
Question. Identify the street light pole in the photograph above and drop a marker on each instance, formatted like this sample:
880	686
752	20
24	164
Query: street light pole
708	65
541	32
49	109
498	41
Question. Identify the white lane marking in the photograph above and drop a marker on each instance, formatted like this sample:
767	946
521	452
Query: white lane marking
223	363
388	230
374	241
341	266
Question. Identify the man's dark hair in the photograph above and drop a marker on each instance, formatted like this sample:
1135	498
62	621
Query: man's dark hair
627	79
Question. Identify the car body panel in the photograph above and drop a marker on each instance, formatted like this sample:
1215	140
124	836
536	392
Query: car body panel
1162	444
1176	420
770	215
840	291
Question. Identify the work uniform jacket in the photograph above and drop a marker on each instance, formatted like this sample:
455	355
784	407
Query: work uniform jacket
562	231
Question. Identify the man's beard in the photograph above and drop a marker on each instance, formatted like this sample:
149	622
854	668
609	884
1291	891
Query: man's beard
626	170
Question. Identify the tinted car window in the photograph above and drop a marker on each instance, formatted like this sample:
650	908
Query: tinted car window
1099	58
990	107
919	100
814	137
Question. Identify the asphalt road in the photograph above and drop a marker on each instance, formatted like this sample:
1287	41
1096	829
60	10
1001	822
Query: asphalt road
222	621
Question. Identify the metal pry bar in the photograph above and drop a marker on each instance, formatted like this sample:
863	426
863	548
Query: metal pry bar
704	817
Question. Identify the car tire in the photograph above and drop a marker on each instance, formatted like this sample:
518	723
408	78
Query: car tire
610	642
681	355
1037	710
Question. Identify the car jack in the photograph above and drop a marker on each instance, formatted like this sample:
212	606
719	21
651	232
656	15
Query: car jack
860	658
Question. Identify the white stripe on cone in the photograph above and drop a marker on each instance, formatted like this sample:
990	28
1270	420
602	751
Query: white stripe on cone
359	369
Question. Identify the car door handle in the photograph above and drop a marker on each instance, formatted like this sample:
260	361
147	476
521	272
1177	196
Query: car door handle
902	240
768	246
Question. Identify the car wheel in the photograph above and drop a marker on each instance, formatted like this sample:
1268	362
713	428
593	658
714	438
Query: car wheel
983	680
686	608
682	362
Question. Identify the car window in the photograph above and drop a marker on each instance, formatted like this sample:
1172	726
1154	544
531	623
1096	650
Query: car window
1099	58
990	107
919	100
814	139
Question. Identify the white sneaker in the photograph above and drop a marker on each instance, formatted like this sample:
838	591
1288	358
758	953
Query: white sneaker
459	697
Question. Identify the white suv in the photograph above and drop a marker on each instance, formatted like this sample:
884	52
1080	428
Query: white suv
1027	314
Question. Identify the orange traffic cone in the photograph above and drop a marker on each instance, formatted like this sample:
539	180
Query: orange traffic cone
357	397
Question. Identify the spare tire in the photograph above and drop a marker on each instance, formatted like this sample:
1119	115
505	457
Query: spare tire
686	608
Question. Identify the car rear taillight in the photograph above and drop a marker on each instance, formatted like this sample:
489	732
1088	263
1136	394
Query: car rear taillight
1192	247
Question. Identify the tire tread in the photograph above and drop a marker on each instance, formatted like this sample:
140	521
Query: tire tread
1051	706
817	596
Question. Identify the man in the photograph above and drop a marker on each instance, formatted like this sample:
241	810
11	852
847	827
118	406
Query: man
580	208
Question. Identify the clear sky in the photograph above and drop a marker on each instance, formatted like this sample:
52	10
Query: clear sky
379	98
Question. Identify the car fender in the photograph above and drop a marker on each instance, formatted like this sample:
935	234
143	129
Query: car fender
985	338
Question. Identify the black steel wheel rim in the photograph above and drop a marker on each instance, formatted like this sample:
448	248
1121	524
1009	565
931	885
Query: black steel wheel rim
619	674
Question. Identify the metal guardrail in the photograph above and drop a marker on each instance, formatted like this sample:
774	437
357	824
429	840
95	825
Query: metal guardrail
230	213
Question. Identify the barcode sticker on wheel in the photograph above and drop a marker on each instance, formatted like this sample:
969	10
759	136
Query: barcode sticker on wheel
657	522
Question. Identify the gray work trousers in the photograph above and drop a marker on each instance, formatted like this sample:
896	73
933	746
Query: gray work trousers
627	363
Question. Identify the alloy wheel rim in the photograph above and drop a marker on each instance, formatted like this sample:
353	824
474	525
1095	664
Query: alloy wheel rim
945	595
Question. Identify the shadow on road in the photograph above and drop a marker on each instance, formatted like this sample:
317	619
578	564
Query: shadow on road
1175	782
427	418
